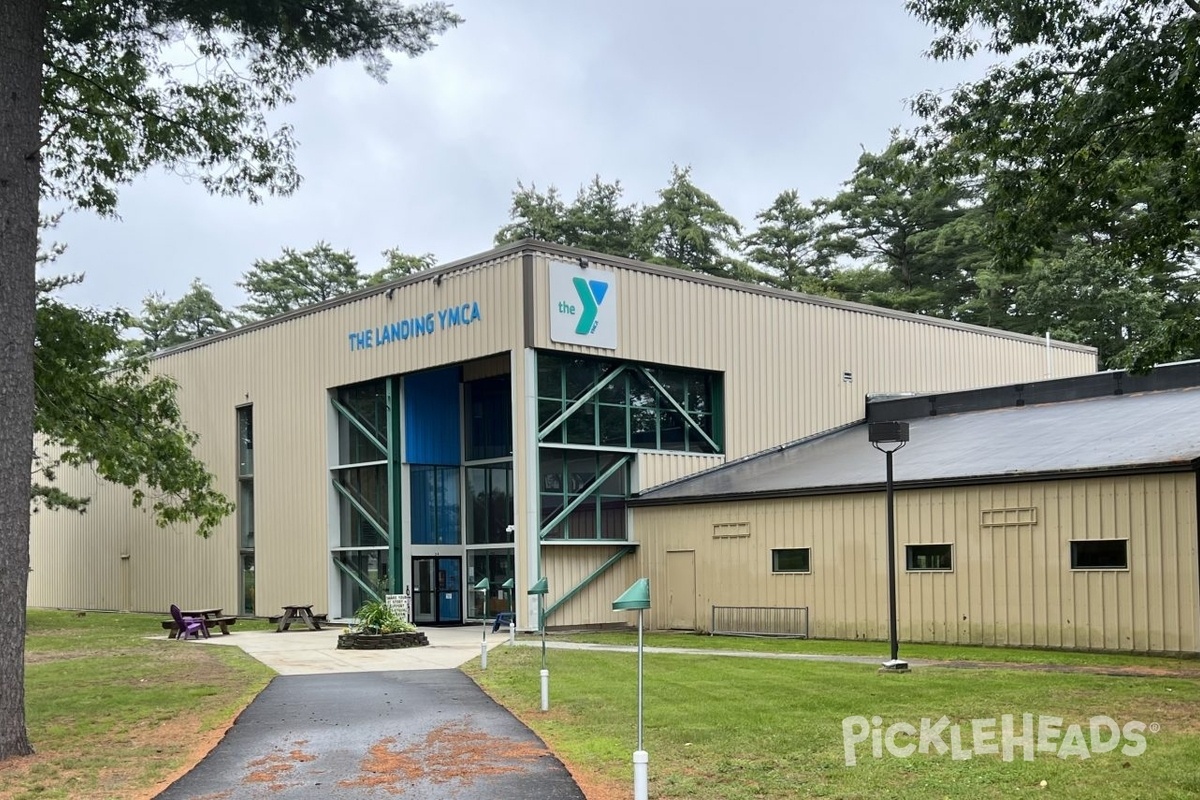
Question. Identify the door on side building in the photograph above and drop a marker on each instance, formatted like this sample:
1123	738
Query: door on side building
681	590
437	590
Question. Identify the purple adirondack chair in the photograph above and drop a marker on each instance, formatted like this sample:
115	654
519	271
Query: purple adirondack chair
189	628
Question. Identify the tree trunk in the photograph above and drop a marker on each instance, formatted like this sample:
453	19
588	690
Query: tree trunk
22	23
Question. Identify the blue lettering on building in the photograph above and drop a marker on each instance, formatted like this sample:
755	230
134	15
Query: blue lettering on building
415	327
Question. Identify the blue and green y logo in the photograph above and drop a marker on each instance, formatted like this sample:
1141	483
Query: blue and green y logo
591	294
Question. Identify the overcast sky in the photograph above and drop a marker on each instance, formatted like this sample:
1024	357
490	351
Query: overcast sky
757	96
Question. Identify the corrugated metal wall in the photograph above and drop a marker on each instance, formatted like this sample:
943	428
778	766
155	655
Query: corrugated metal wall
654	468
568	565
784	358
1011	584
783	361
285	370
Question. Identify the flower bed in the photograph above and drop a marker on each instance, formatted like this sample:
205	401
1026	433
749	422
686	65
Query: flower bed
380	641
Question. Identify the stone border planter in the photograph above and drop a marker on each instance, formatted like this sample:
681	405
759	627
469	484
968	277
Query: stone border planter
380	641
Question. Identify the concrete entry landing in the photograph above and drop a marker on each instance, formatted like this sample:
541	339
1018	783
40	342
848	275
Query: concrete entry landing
305	652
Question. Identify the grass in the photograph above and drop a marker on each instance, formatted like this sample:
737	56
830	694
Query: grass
112	713
736	729
932	652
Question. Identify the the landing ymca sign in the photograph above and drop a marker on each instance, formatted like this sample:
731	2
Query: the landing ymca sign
583	305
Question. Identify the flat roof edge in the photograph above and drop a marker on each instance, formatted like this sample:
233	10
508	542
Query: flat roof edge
523	246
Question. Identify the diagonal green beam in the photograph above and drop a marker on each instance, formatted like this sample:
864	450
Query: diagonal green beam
583	399
583	584
363	510
363	429
675	404
586	494
357	578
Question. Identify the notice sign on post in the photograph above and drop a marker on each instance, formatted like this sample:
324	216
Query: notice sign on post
583	305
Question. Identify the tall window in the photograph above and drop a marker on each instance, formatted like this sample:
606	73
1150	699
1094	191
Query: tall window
434	496
583	494
362	480
490	504
488	424
245	505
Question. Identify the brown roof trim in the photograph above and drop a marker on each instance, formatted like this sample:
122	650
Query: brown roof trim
524	246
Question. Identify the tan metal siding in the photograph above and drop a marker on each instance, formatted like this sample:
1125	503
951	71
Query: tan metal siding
783	358
285	370
568	565
659	467
1011	584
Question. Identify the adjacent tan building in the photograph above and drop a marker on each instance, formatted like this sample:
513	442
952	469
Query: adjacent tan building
494	417
1061	514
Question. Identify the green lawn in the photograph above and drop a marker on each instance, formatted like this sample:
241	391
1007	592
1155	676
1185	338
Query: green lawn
111	712
933	652
747	728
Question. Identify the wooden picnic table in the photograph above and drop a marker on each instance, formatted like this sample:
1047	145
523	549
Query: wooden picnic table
299	613
211	616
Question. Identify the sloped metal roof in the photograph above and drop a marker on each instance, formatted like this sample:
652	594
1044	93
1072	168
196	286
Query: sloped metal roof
1153	430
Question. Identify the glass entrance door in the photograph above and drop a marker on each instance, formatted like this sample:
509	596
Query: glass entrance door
437	590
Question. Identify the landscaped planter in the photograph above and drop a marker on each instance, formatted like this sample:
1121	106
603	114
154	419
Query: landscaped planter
380	641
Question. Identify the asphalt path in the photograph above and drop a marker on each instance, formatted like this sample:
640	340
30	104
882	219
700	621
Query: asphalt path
418	735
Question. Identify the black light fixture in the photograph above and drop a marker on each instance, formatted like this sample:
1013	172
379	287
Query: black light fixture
887	438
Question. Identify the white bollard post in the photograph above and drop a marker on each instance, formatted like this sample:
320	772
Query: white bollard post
545	690
512	632
483	654
641	775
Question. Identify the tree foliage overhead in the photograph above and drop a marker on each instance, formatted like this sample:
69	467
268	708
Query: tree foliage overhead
1086	129
790	244
688	228
187	85
597	219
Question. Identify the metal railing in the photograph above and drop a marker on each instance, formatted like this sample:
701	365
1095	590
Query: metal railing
759	621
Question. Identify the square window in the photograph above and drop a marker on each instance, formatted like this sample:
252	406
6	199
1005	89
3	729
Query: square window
795	559
1100	554
929	557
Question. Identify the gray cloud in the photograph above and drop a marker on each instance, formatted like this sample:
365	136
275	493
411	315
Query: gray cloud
756	96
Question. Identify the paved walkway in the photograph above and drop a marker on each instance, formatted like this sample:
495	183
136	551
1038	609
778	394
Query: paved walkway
371	724
418	734
700	651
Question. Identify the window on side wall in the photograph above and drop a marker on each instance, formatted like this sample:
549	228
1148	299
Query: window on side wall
929	557
1100	554
792	559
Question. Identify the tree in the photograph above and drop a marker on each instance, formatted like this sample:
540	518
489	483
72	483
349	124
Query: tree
400	265
298	279
96	405
898	214
535	215
789	244
598	220
1088	125
165	324
595	220
689	229
88	100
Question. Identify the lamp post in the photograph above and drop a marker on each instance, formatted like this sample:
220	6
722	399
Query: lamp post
510	585
887	438
483	586
540	589
637	598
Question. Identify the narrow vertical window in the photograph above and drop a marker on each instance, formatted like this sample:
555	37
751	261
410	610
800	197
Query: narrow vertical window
245	505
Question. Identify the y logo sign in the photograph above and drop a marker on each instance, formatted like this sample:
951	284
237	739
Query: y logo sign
583	304
591	294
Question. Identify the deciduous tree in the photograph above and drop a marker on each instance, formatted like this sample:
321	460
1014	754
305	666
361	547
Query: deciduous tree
88	100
